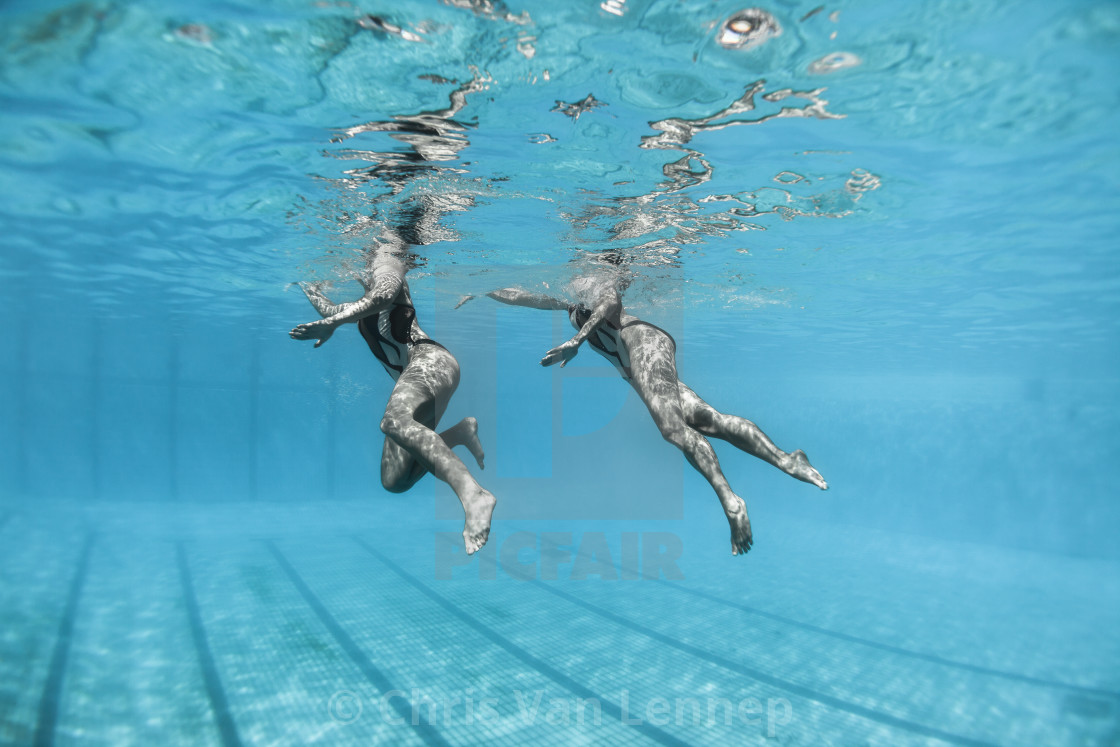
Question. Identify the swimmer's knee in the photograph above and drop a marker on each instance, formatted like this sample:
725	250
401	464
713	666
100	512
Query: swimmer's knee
391	423
674	434
393	485
701	418
400	476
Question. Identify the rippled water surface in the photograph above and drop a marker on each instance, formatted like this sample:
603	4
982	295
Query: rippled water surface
927	177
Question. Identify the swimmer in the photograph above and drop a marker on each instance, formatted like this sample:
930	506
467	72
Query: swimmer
645	356
426	375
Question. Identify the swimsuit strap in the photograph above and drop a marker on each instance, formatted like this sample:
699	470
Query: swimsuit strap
582	314
427	341
371	333
654	326
404	330
400	318
400	324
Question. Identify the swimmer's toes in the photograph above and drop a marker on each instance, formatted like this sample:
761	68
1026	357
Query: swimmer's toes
479	507
741	538
475	542
802	470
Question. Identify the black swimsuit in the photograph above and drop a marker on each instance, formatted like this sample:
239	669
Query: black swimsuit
606	338
389	336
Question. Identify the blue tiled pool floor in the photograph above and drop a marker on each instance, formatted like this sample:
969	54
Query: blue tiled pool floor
254	624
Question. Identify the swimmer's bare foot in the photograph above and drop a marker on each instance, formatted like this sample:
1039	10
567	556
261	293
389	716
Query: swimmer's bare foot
465	433
478	506
798	466
741	537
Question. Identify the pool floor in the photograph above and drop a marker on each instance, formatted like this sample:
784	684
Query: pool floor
360	624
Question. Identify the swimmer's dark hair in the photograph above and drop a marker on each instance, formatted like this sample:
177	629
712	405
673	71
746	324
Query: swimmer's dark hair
614	258
405	225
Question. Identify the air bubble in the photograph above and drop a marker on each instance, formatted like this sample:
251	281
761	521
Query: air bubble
748	28
834	61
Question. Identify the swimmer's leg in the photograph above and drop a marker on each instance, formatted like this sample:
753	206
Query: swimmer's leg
654	377
465	433
400	470
745	435
426	385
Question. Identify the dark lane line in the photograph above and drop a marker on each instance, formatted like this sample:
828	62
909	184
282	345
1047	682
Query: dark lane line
932	658
790	687
226	727
52	689
521	654
376	677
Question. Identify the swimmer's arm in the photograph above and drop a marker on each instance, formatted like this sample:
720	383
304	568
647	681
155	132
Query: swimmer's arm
528	299
610	309
321	303
378	297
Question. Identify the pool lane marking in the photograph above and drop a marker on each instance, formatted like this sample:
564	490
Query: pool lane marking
607	706
52	689
767	679
227	729
376	677
932	658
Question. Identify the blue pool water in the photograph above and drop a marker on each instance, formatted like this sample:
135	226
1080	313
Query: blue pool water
886	234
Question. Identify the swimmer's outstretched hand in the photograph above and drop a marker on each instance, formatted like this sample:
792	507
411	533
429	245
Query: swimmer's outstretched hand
561	354
319	331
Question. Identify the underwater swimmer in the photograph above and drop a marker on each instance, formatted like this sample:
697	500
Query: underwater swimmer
426	376
645	356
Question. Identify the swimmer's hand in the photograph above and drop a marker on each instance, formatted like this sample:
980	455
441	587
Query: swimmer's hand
319	331
463	300
561	354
